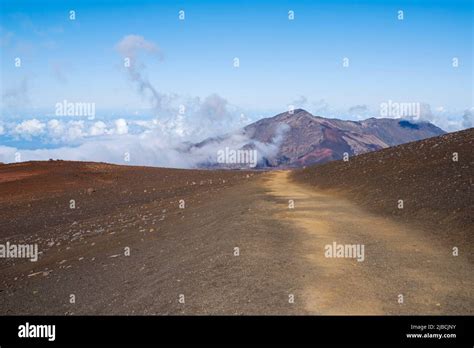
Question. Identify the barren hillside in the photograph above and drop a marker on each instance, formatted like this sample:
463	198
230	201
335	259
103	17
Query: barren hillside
436	190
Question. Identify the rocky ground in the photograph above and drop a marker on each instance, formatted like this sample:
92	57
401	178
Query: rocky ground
437	191
115	240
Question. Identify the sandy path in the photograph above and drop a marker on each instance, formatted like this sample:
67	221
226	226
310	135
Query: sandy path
192	252
399	260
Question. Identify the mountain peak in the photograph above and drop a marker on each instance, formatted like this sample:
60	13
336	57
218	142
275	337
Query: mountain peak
313	139
300	139
297	111
291	114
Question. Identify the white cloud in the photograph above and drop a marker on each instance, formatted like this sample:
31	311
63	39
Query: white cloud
146	149
55	128
446	119
98	128
121	126
75	130
29	128
153	147
60	131
57	131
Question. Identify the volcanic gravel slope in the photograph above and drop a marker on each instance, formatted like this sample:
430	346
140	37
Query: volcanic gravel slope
436	190
173	251
236	248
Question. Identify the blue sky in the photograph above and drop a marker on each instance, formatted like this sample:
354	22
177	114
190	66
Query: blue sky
282	62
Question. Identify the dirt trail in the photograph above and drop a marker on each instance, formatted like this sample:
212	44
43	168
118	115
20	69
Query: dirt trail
398	259
192	251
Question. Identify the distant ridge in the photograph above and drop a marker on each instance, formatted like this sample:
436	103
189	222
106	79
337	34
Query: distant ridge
302	139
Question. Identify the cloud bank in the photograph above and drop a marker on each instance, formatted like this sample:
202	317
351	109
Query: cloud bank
164	140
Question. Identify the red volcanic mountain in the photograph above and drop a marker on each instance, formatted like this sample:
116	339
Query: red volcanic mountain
302	139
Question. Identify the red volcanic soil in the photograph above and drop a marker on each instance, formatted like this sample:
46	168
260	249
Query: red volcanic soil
173	251
14	175
36	195
316	156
